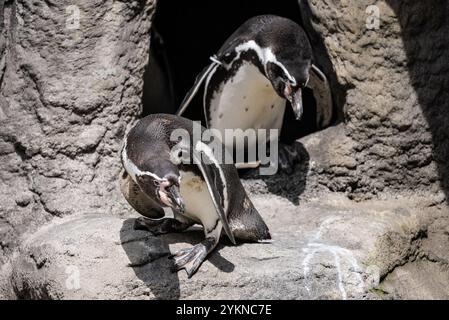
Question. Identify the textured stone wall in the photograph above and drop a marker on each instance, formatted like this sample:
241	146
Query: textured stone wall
392	84
70	82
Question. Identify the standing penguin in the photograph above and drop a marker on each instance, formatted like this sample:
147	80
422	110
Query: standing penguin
161	170
266	62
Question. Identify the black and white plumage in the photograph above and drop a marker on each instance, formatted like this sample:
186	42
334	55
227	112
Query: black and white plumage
203	191
266	62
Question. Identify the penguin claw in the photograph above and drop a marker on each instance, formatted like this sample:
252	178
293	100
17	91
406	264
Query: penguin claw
189	259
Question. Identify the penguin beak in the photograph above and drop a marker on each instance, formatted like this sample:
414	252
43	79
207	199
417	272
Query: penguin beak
170	196
296	102
176	200
295	99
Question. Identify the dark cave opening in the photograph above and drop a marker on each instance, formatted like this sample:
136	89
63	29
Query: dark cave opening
186	34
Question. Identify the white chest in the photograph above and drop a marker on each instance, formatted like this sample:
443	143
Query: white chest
197	199
246	101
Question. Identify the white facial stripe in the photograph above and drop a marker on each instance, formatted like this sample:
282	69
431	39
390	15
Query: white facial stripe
202	147
134	171
265	55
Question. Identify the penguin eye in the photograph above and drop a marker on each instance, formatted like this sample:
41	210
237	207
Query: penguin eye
156	183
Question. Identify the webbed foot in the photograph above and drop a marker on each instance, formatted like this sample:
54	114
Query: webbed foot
191	259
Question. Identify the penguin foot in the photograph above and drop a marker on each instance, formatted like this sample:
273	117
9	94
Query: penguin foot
189	259
158	227
288	157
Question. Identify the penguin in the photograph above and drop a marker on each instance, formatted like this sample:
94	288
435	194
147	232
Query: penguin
161	171
265	63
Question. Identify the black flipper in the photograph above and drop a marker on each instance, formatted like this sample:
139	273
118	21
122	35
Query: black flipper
214	179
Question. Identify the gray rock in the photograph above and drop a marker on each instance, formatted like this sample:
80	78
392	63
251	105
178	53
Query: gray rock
67	94
390	86
330	249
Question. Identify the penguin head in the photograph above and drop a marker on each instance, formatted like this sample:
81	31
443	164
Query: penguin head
288	60
146	158
161	181
288	86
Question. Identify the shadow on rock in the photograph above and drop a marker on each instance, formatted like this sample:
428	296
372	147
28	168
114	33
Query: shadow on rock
148	256
288	186
425	41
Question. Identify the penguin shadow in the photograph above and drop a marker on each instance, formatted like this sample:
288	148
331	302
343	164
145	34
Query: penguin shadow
149	257
286	185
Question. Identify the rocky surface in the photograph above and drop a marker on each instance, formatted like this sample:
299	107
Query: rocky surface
68	92
71	78
390	82
329	249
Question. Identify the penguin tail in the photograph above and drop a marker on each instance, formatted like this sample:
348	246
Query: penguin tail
249	226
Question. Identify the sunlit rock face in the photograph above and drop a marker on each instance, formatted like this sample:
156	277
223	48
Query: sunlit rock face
390	77
70	83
